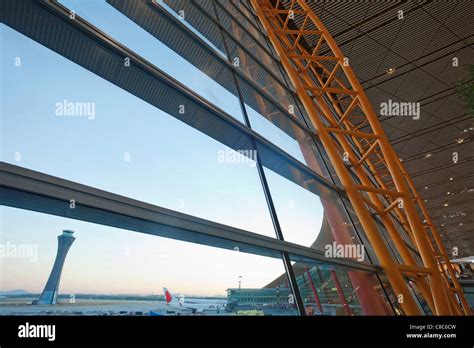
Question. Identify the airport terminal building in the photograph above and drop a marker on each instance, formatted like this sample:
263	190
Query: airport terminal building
244	138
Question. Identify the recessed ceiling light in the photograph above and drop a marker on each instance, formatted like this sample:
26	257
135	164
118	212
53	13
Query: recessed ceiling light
390	71
428	155
451	179
448	193
426	187
460	224
442	225
460	140
445	204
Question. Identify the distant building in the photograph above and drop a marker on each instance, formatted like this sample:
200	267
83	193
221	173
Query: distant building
50	292
255	297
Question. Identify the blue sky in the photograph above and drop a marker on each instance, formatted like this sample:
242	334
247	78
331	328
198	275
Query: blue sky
171	165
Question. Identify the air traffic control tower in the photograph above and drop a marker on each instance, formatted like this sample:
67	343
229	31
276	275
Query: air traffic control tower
50	292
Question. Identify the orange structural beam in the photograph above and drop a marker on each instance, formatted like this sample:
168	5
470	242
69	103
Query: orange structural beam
338	108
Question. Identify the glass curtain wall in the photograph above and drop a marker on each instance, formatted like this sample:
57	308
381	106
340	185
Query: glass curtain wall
219	51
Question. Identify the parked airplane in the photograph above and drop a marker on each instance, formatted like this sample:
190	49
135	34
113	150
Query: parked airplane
195	306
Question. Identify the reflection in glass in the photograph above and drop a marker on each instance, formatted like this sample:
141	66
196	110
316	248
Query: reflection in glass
274	134
111	271
390	294
126	146
128	33
333	290
316	221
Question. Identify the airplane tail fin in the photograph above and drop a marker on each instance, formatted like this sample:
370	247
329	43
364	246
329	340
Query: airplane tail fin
168	296
170	299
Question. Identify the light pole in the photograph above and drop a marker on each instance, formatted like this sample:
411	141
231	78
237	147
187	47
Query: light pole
240	287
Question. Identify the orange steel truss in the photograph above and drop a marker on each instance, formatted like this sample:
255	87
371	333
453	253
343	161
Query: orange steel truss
373	176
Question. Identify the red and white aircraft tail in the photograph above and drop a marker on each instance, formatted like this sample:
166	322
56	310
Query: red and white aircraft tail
196	305
170	300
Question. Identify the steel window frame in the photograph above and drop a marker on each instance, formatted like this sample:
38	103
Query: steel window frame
231	68
265	147
28	189
268	151
228	124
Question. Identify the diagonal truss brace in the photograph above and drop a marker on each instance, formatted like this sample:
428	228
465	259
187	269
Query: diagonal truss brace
371	173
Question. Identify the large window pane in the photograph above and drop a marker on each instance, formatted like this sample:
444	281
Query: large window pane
248	24
180	14
319	222
271	132
244	39
121	28
333	290
118	142
110	270
282	129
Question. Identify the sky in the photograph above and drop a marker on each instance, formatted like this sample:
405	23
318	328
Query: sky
133	149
